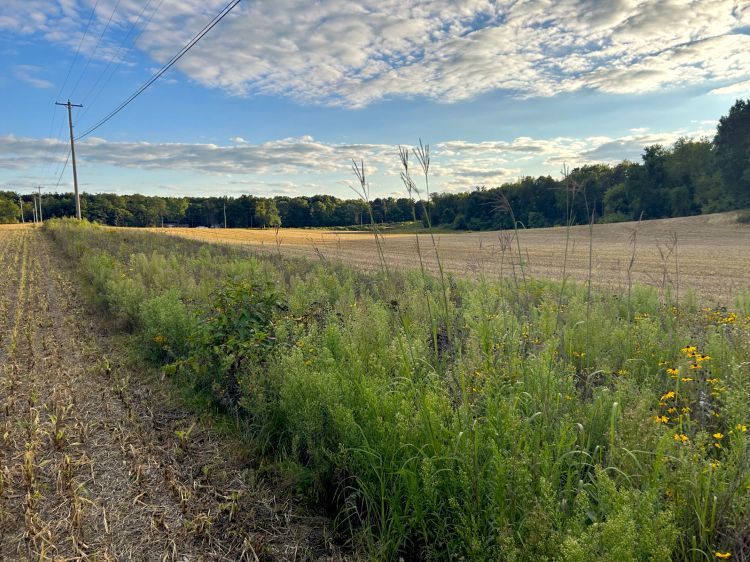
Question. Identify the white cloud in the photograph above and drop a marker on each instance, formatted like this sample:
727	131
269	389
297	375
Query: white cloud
28	73
296	165
355	53
738	88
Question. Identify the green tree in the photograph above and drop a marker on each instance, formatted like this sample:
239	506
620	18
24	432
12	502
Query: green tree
732	149
10	212
266	213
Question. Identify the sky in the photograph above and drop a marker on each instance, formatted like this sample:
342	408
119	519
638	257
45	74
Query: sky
280	96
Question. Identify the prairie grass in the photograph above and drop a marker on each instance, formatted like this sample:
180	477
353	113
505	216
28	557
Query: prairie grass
532	421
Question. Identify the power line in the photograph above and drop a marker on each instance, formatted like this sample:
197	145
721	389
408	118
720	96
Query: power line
224	12
65	82
75	58
96	48
120	59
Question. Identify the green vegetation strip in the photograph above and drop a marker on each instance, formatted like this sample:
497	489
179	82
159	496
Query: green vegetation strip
519	420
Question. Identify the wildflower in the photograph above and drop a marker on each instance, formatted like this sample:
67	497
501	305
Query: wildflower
718	435
686	379
579	354
742	428
723	555
686	410
714	464
712	381
689	349
681	438
672	371
717	445
662	363
695	366
160	340
671	410
700	358
667	395
661	419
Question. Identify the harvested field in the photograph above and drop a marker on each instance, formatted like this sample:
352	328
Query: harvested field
708	254
98	464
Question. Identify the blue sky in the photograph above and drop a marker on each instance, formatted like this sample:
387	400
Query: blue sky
280	96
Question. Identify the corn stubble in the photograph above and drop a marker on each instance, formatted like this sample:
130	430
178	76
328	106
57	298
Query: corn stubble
94	465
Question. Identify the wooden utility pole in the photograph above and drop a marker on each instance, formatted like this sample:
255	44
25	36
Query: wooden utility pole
39	187
20	202
70	107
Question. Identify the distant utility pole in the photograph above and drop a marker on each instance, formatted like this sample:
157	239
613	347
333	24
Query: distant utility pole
20	202
70	107
225	212
39	187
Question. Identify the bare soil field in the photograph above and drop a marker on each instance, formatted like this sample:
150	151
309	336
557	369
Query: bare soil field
708	255
98	464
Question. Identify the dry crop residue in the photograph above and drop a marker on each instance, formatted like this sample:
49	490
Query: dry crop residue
707	254
94	463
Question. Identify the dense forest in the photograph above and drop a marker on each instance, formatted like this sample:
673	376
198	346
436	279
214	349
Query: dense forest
688	178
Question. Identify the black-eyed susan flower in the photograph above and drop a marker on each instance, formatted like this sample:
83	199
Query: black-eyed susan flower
667	395
722	555
671	410
742	428
686	379
718	435
689	349
673	371
701	358
681	438
661	419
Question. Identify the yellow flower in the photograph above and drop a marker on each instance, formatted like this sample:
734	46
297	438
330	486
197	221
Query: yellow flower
695	366
700	358
681	438
689	349
671	410
723	555
661	419
718	435
686	409
686	379
717	445
712	381
742	428
667	395
672	371
714	464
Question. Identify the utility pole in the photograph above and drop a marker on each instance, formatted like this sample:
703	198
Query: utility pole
39	187
70	107
20	202
225	212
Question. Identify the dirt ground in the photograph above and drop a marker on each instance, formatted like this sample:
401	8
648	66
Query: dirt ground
708	255
96	462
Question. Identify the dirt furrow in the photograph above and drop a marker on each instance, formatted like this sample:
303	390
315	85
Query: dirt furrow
96	465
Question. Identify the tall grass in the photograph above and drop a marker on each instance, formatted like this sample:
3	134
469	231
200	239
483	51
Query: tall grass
552	430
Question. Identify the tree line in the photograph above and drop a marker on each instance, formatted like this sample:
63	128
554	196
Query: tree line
688	178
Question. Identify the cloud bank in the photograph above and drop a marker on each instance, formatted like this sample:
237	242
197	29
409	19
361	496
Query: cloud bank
336	52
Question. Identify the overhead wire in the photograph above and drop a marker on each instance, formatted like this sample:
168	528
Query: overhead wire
65	82
120	58
96	48
220	16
